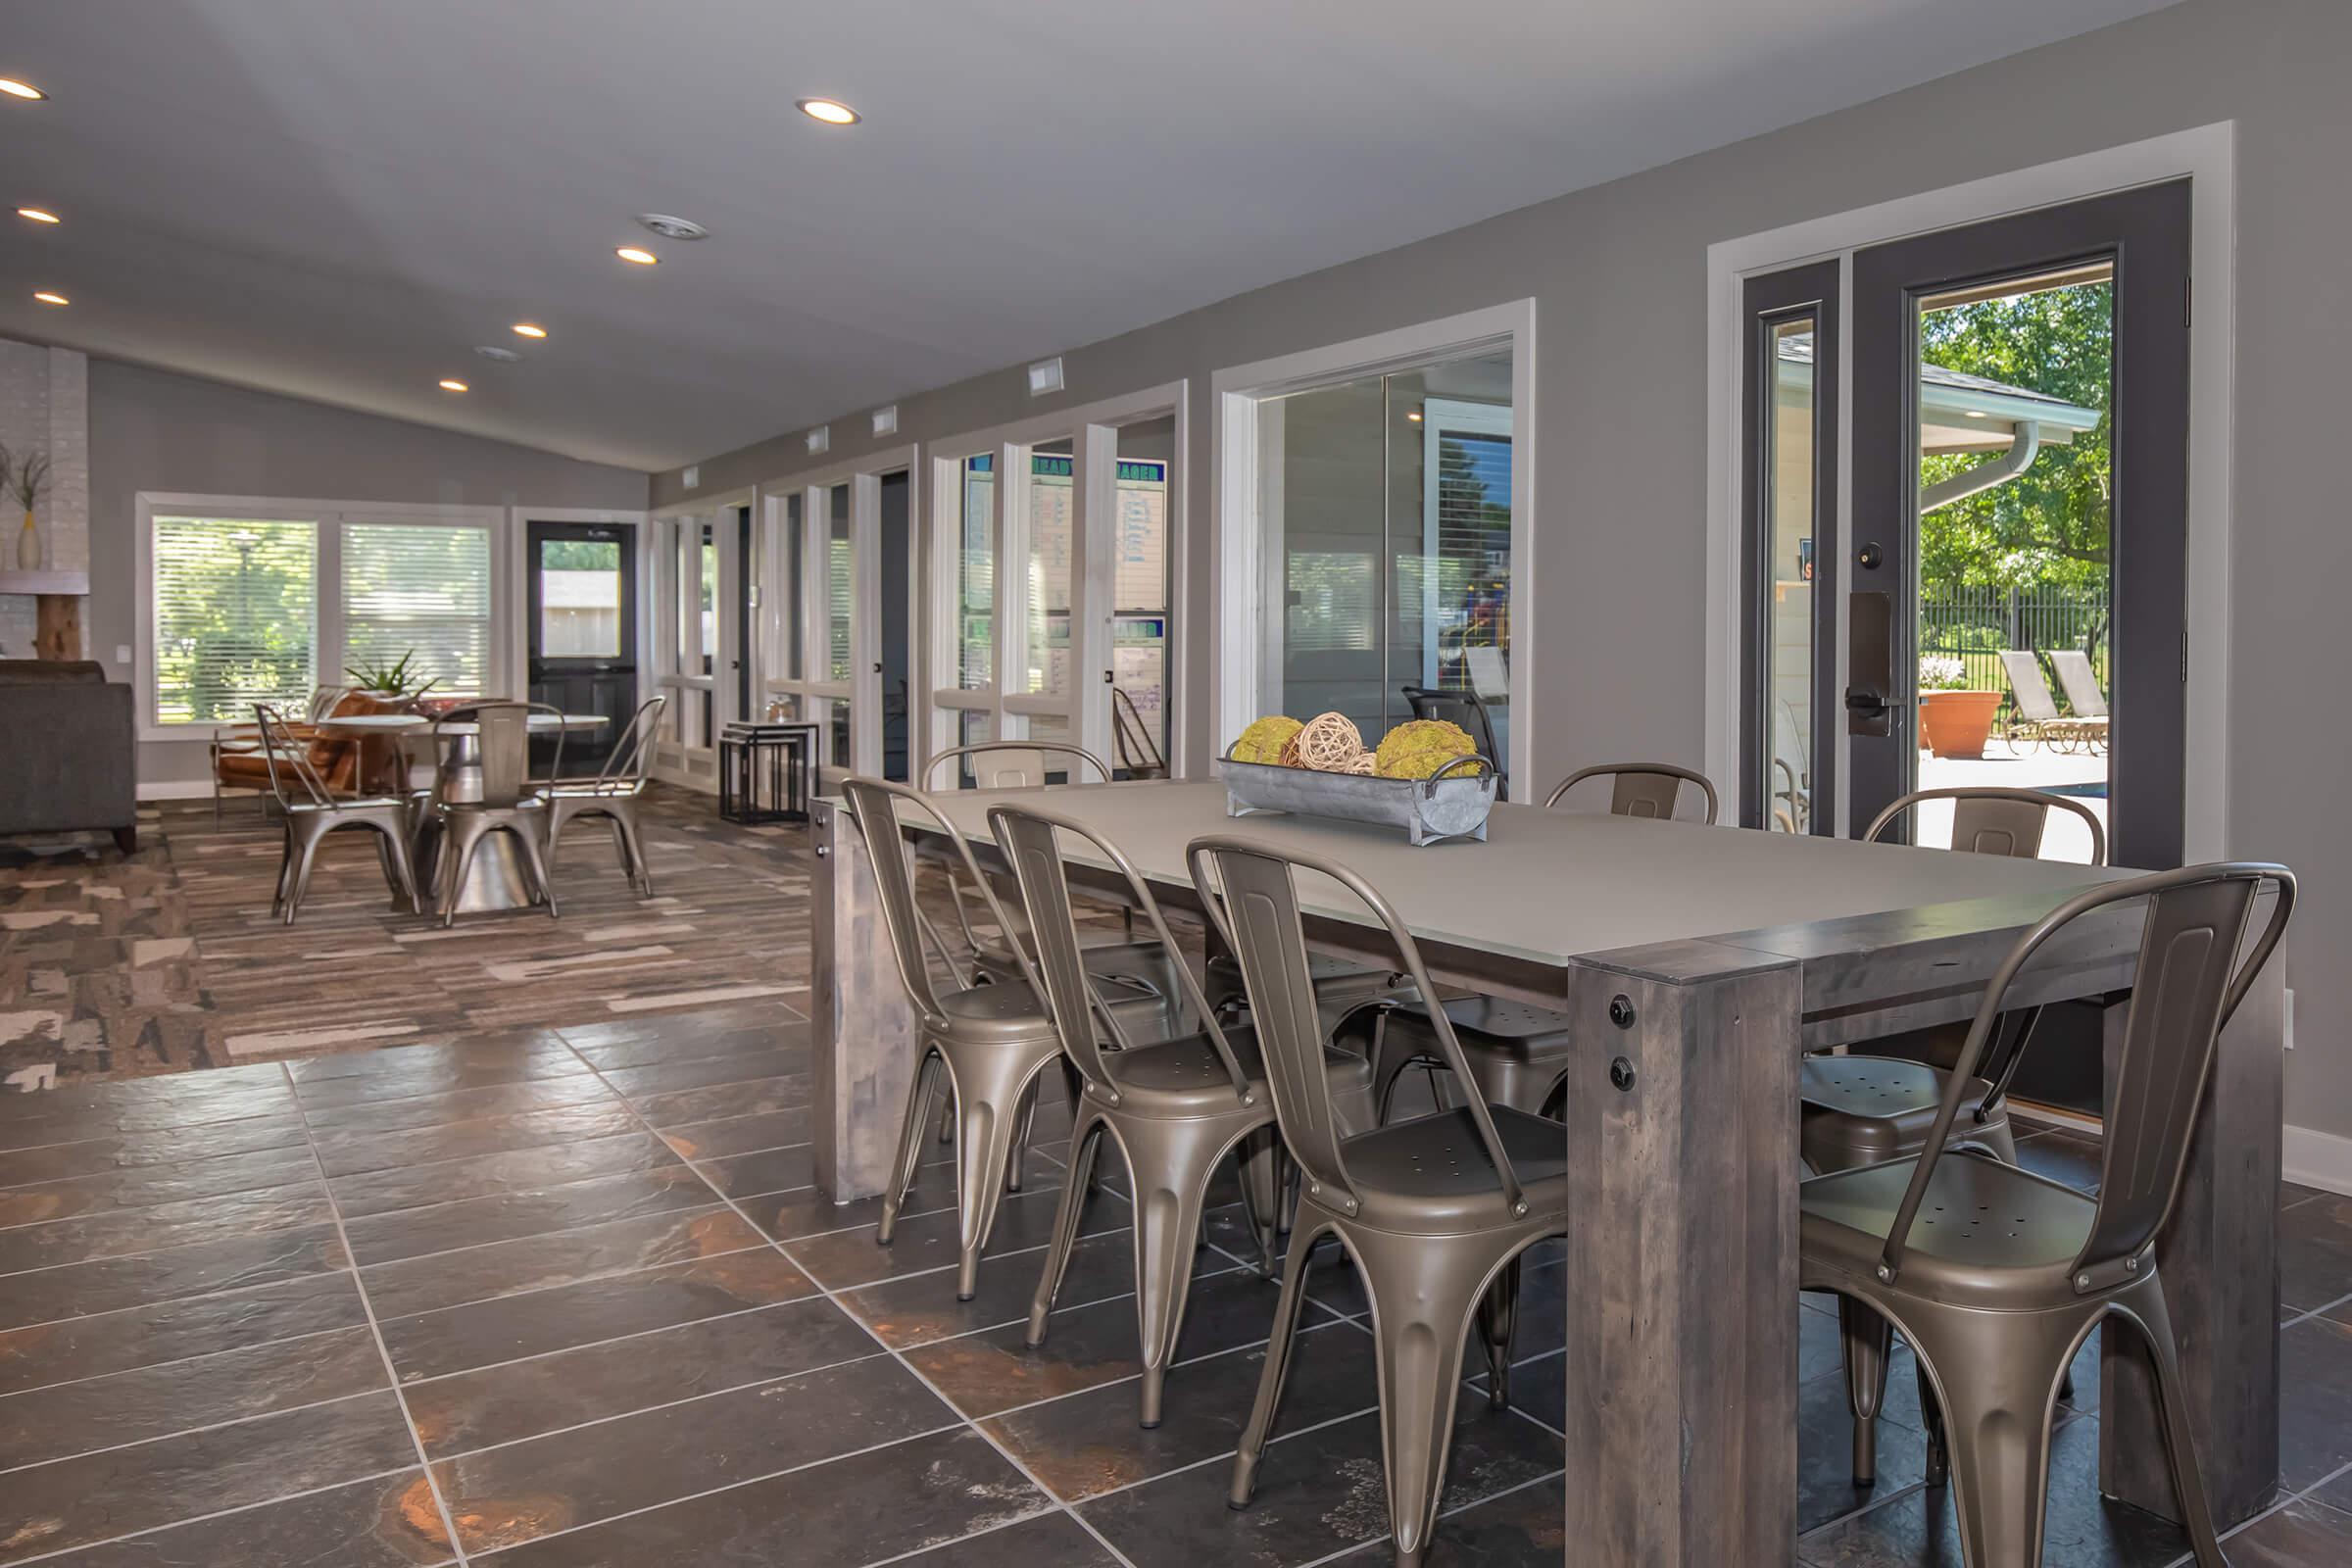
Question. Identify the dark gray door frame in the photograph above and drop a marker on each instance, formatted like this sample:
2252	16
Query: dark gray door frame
2145	232
1767	302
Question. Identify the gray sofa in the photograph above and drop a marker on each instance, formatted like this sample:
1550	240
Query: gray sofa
68	754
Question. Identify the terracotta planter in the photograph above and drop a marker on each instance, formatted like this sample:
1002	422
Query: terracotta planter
1957	723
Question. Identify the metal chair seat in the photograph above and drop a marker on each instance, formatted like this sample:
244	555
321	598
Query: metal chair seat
1012	1014
1989	1235
1185	1076
1336	981
1517	1052
1862	1110
1432	1176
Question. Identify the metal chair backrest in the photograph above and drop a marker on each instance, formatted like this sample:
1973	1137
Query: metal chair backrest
1139	753
323	702
632	750
2187	983
1464	708
1997	819
1641	789
502	742
1031	840
2034	704
293	781
1251	891
1009	765
874	805
2081	681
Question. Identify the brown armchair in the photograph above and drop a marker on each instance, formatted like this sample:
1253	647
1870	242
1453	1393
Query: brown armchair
336	759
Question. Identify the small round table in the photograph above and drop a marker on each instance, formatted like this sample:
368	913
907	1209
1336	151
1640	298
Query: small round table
496	880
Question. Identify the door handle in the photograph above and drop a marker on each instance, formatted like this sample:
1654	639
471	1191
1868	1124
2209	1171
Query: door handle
1870	663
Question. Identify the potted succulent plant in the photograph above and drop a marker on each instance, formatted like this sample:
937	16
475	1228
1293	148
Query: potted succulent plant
393	684
1954	718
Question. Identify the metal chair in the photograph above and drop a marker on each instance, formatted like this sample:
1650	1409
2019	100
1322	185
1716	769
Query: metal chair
1176	1107
1519	1054
992	1040
1468	710
508	798
311	811
1434	1212
1996	1276
612	795
245	739
1139	753
1863	1109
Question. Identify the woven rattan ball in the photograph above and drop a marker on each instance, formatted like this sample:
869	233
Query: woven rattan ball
1329	743
1362	762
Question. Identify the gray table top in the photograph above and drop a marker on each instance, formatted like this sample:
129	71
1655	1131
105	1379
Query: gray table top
1548	887
404	723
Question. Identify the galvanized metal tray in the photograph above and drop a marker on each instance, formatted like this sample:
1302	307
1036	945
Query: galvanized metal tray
1447	804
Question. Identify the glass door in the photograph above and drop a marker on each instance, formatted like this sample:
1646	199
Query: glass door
2020	547
582	636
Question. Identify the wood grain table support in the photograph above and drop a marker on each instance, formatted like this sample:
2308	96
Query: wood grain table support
865	1027
1681	1258
2219	1262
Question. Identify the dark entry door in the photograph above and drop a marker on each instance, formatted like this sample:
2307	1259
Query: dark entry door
583	629
2019	514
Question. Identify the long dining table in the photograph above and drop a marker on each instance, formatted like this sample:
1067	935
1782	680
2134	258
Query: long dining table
1699	964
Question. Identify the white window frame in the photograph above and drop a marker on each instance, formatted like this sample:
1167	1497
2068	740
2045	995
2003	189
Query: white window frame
330	519
1093	433
1244	669
1439	417
684	760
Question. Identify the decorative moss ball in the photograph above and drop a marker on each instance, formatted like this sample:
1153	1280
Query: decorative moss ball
1420	747
1264	739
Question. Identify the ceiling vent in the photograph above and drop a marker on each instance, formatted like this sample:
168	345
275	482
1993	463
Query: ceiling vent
1045	376
669	227
821	439
885	421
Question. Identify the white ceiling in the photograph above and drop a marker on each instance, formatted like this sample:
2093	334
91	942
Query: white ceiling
339	198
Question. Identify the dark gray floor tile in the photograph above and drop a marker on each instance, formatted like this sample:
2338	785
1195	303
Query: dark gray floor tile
465	1104
156	1401
534	1263
2336	1493
738	1067
1318	1493
921	1307
346	1154
111	1284
2293	1193
188	1222
388	1522
2315	1401
525	1399
482	1333
1825	1445
770	1170
784	1098
1526	1528
1088	1444
98	1496
863	1508
134	1150
679	1032
1085	1346
757	1041
2061	1156
844	1259
142	1104
2302	1535
2084	1530
199	1326
519	1170
504	1497
507	1216
391	1071
805	1212
142	1185
2315	1253
1045	1541
738	1135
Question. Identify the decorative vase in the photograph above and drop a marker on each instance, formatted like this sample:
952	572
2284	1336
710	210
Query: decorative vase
29	546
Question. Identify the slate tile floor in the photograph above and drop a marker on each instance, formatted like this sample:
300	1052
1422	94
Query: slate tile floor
562	1299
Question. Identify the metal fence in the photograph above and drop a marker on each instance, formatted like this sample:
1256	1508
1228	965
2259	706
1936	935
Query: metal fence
1974	624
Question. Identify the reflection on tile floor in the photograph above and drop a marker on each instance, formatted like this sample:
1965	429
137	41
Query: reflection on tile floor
566	1298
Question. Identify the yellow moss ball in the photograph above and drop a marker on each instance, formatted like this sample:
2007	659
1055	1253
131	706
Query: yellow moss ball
1264	739
1420	747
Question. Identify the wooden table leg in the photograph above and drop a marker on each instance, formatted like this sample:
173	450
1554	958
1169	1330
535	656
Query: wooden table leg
1681	1258
2219	1262
864	1037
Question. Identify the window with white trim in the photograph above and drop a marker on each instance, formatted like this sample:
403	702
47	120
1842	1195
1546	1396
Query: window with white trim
420	592
236	616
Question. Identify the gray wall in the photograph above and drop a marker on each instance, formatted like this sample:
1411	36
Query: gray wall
153	430
1619	272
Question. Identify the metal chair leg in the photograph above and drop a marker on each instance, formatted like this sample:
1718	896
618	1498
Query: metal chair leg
988	1093
464	836
2154	1321
910	1143
1869	1340
1424	1297
535	856
306	856
402	871
1498	1321
1278	1363
1170	1163
1997	1381
1263	1158
1086	1144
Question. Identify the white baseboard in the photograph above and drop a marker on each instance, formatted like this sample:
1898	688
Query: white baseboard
2319	1159
184	788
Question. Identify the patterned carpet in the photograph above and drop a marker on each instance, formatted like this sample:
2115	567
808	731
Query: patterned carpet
114	967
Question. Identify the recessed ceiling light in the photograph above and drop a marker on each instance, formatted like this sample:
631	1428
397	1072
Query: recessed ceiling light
668	227
47	298
1973	414
450	383
492	351
39	215
630	253
530	329
20	89
829	110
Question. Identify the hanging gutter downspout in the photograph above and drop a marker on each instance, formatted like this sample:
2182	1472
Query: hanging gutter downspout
1989	474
